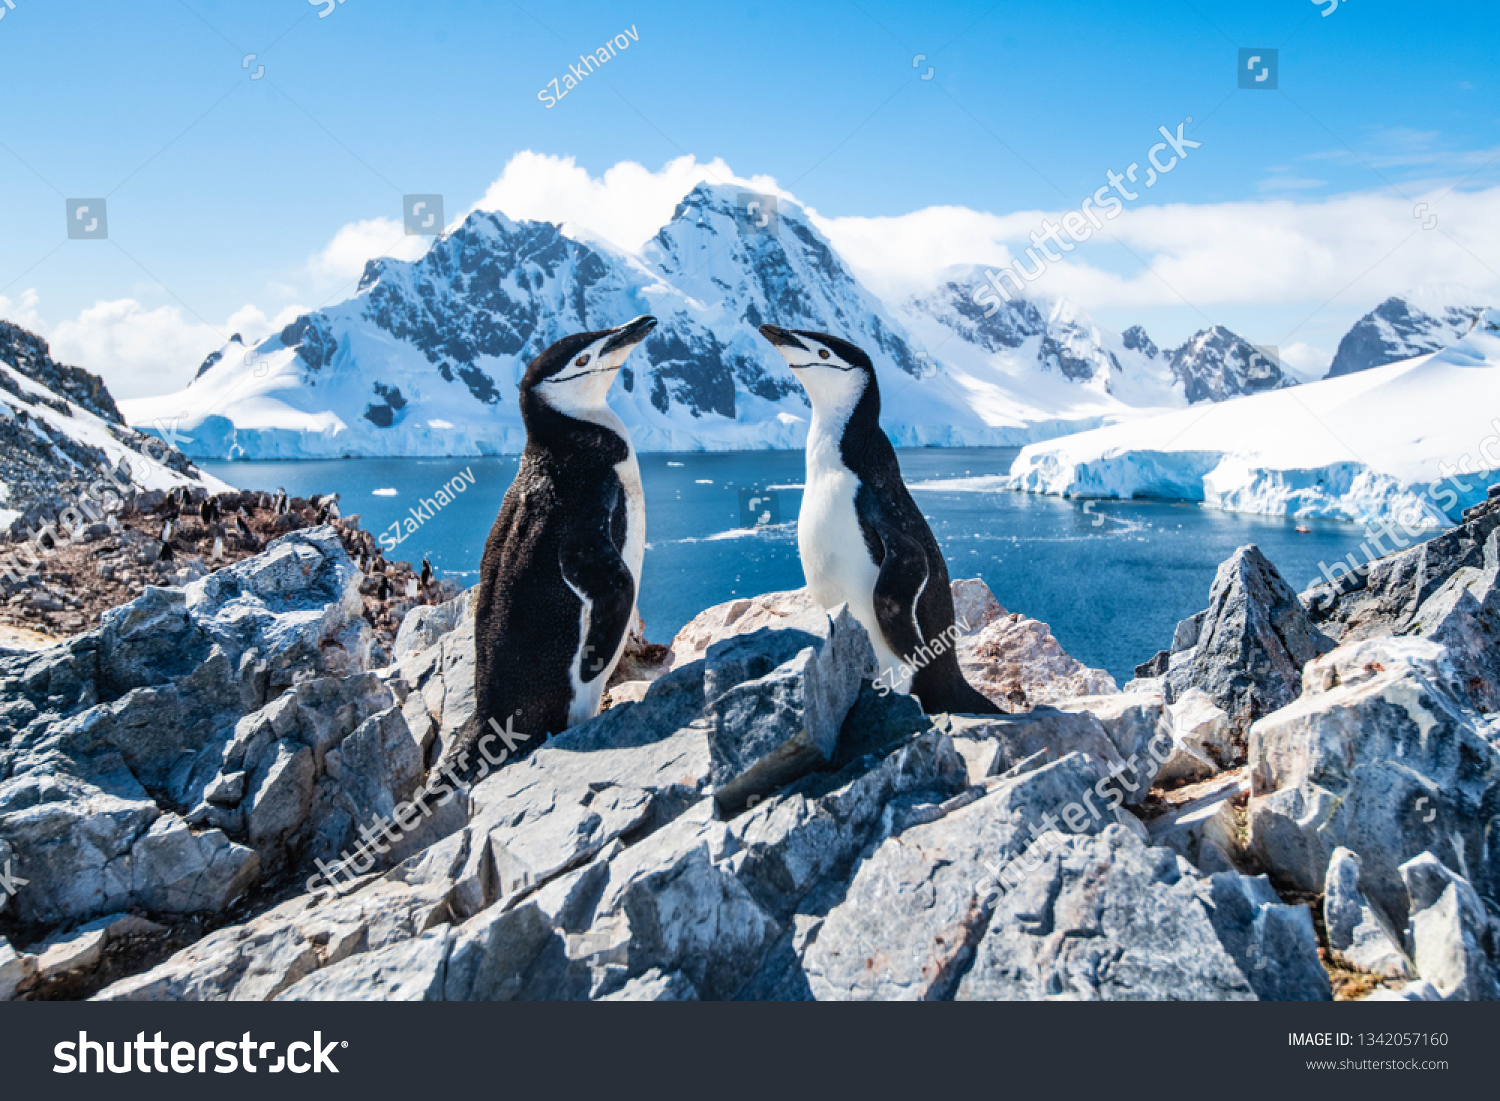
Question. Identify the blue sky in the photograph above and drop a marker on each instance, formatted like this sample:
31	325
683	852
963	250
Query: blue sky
225	192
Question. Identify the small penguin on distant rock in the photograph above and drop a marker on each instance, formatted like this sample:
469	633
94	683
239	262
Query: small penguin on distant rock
383	590
426	578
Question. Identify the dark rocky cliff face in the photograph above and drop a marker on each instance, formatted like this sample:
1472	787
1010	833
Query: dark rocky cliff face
1398	329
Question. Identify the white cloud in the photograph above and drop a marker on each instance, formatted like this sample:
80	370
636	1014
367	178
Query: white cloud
23	311
1355	249
344	258
625	206
140	352
1306	362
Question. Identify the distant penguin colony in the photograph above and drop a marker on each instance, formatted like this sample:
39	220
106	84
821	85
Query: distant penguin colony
862	539
562	566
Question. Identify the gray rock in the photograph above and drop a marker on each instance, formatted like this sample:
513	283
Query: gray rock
425	625
1452	941
1274	945
1048	731
1137	722
1356	930
1247	649
1443	589
907	924
1105	918
121	731
777	700
261	958
1203	829
78	951
1388	766
280	795
1202	730
656	986
408	971
16	970
492	951
176	871
226	789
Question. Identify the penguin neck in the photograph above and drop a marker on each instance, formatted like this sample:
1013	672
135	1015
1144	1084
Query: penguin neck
595	435
846	434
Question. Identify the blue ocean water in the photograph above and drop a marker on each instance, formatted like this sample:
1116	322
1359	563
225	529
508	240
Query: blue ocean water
1111	578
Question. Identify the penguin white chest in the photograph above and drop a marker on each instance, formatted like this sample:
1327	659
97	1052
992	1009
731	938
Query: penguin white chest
835	558
587	695
629	473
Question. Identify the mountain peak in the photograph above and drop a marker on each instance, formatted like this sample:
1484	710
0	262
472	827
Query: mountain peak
1423	320
1217	363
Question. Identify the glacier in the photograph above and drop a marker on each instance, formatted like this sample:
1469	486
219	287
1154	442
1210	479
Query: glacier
1414	442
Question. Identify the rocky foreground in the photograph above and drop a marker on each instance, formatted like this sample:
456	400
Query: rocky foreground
226	791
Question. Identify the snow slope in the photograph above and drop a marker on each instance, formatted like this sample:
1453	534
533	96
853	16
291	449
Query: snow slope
59	425
1370	446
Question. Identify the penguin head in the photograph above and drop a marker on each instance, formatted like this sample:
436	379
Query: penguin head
835	373
574	375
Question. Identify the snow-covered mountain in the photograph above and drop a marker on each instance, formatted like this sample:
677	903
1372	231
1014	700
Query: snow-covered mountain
1412	324
1217	364
1376	446
59	426
426	357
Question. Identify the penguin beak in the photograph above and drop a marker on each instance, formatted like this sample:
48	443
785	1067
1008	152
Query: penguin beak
628	335
782	338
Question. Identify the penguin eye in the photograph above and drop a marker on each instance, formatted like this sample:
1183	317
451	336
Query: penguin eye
581	360
822	353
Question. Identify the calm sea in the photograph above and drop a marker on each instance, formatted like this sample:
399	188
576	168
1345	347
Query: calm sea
1112	579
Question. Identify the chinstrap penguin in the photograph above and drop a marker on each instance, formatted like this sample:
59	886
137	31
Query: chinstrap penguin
861	537
562	567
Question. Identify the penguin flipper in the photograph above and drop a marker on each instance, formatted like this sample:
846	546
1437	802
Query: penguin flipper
903	576
595	571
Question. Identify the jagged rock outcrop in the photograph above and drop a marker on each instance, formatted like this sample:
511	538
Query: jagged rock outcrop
1404	326
143	767
727	835
1444	590
1451	934
760	822
1357	930
1246	650
1011	659
1383	757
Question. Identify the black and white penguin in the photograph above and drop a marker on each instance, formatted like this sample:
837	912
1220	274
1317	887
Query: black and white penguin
862	539
426	578
562	567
